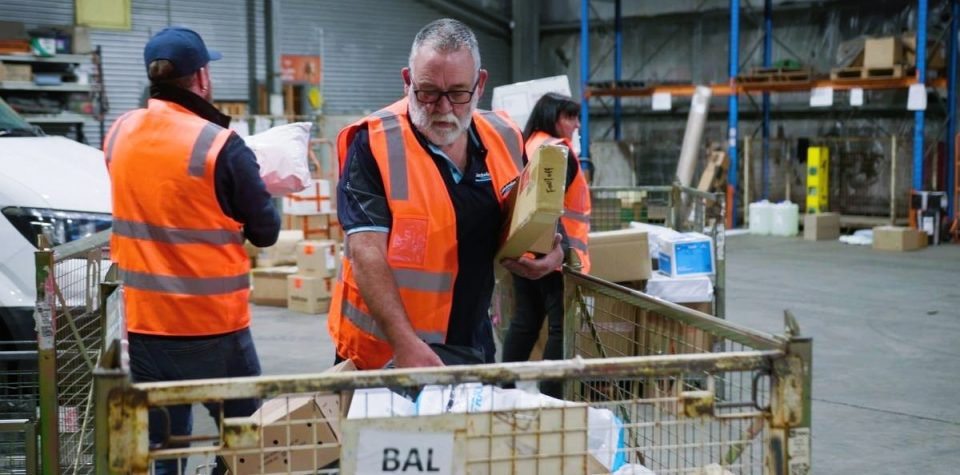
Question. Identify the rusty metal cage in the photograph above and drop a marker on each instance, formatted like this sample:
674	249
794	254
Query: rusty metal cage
69	344
703	394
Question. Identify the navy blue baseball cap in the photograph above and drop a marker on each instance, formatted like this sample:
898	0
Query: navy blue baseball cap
182	47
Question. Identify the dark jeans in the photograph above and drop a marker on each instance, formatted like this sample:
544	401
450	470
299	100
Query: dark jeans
157	358
536	300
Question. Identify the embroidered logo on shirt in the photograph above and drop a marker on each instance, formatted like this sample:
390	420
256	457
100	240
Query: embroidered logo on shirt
482	177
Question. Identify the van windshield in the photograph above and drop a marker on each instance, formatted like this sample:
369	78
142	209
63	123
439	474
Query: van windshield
12	125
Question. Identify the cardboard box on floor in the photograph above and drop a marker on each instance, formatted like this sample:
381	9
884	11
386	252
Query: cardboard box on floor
318	258
821	227
536	203
310	418
284	252
895	238
620	256
313	226
307	294
270	285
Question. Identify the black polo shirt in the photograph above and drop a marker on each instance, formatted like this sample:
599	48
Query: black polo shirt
362	206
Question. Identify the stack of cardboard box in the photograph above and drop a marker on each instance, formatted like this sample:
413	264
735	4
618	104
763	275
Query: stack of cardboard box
309	290
312	212
272	265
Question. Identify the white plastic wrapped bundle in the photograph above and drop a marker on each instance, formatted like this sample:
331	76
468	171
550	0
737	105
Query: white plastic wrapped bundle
282	155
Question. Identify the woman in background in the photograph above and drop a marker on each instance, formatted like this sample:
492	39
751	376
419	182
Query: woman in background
552	122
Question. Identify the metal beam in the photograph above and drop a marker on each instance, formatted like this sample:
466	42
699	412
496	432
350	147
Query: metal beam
767	61
732	118
952	108
525	41
584	79
617	68
479	18
921	79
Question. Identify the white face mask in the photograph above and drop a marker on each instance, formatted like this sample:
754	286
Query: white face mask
440	129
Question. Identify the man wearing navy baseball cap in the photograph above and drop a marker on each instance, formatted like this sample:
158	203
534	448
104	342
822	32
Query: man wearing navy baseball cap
186	193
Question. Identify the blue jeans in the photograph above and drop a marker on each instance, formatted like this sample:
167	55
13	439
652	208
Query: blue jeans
158	358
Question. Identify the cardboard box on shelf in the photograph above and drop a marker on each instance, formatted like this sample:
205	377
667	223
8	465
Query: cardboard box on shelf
936	52
16	72
686	255
313	200
882	52
284	252
537	202
270	285
293	421
318	258
620	256
821	227
308	294
896	238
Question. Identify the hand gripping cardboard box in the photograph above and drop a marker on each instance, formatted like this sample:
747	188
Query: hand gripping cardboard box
536	204
284	429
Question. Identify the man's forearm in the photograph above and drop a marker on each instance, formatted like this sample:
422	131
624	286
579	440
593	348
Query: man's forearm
378	286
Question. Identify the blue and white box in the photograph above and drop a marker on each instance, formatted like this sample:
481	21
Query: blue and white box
686	255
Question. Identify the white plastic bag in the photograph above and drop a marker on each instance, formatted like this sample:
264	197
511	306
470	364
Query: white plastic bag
282	155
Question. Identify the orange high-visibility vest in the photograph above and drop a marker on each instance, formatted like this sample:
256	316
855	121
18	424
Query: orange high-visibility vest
576	200
422	244
180	258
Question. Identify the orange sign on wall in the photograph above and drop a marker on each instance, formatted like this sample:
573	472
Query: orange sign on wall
300	68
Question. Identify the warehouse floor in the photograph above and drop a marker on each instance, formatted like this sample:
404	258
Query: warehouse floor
886	330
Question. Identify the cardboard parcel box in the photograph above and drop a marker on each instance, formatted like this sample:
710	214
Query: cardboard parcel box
536	204
270	285
308	294
620	256
318	258
895	238
308	419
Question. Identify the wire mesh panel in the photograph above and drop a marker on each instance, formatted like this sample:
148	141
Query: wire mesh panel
71	291
608	321
615	207
18	407
665	390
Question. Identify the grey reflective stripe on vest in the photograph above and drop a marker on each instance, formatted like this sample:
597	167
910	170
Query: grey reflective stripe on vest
508	135
423	280
184	285
577	244
570	214
368	325
135	230
396	154
198	156
113	138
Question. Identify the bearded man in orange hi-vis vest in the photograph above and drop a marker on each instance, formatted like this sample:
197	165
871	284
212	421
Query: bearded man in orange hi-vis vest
186	192
421	199
552	121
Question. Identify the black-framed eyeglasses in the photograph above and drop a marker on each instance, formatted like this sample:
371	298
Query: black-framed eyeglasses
455	97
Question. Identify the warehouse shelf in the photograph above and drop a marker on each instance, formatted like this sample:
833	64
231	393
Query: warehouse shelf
753	88
60	58
29	86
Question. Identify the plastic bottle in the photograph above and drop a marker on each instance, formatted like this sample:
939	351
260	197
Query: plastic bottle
785	219
761	217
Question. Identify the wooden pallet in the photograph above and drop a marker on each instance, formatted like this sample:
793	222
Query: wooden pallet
774	75
891	72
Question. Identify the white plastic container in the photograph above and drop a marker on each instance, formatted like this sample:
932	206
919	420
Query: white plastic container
786	219
761	217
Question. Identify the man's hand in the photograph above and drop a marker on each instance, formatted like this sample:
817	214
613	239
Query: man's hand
414	354
534	269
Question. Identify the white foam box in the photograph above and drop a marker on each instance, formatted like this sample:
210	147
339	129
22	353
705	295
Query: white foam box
537	203
270	285
306	294
292	421
686	255
680	289
313	200
318	258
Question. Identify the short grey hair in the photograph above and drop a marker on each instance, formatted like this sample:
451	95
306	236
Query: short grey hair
446	35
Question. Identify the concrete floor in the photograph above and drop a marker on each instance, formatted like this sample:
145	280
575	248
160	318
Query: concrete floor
886	330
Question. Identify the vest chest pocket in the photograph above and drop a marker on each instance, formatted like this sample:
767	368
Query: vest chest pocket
408	241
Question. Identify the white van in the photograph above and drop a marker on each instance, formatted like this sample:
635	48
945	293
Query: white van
48	185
